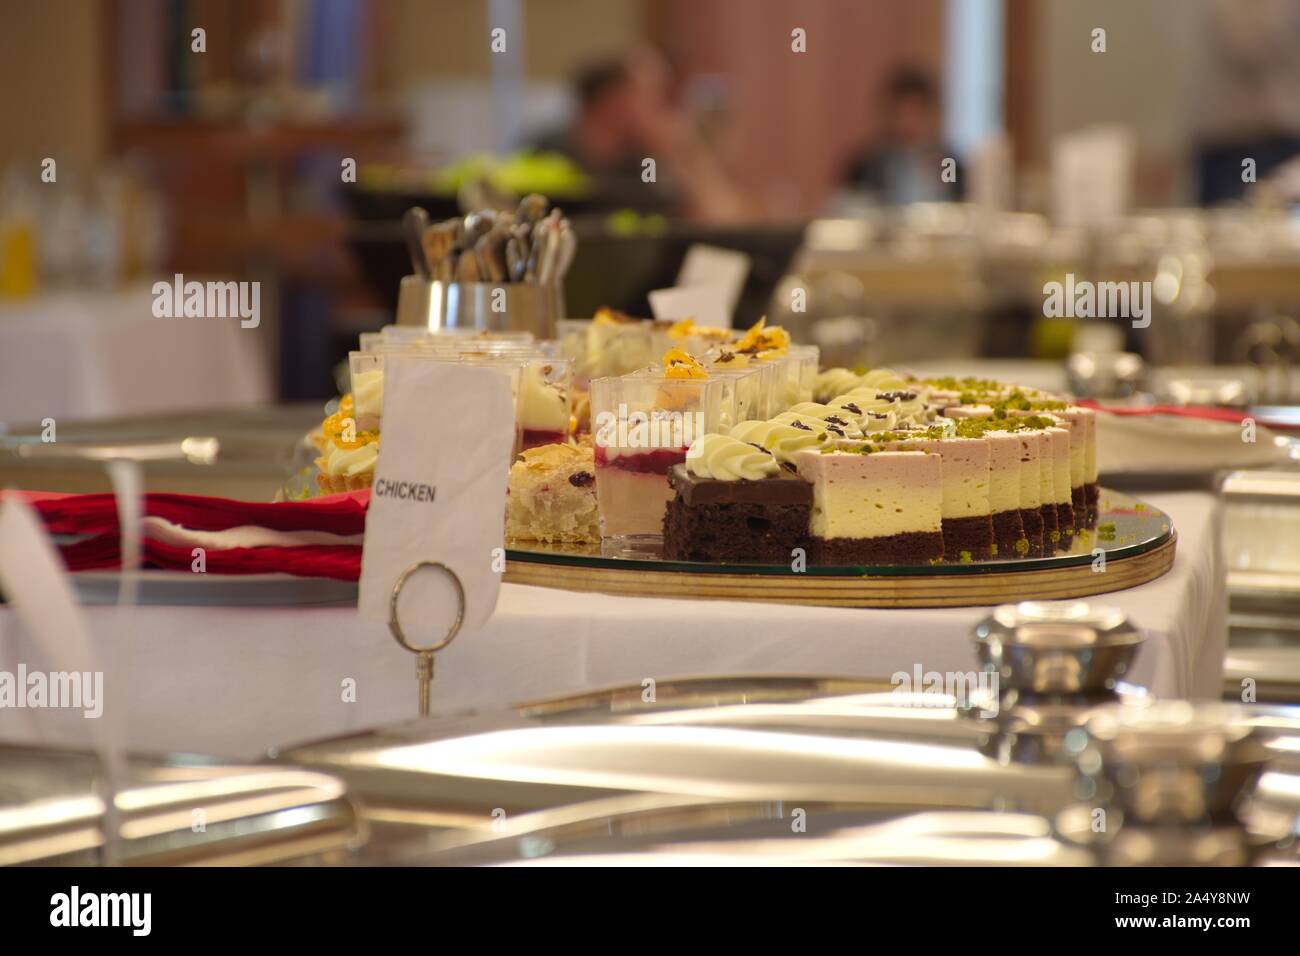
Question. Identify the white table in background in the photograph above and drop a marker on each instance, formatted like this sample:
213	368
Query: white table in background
77	356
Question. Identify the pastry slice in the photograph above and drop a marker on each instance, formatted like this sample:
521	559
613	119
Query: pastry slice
551	495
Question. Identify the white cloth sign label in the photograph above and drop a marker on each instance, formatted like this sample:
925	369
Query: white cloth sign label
439	493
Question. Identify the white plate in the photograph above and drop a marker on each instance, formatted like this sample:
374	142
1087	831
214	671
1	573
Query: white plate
216	590
1175	445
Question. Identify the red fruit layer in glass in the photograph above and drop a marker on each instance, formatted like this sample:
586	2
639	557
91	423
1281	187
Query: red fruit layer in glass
534	437
656	461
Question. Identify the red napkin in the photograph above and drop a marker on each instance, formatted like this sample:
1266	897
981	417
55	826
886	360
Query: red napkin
1207	412
96	515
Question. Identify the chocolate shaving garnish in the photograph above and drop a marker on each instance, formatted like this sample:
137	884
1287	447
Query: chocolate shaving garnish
837	431
898	396
581	479
850	406
835	420
759	447
798	424
725	356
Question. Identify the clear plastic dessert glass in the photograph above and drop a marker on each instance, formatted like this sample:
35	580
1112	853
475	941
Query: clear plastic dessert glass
804	380
544	405
696	339
366	370
642	425
753	382
602	349
784	388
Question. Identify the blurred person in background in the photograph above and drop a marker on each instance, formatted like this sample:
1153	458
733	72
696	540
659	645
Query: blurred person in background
627	113
905	163
1250	103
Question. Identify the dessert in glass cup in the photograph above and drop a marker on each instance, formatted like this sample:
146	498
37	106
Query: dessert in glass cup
642	425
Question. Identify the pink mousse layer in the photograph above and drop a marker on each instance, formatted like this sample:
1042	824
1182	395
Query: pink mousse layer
632	490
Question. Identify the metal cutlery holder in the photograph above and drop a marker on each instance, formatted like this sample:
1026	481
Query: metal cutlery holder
487	306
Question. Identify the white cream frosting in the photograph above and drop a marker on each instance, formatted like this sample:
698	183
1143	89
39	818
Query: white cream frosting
729	459
780	438
845	421
350	461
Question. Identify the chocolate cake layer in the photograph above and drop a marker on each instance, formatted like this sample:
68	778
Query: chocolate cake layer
1079	501
783	489
1032	519
911	547
736	533
972	535
1007	532
1092	495
1051	528
1065	521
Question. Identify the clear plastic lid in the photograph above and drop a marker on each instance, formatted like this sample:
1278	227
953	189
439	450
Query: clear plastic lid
649	410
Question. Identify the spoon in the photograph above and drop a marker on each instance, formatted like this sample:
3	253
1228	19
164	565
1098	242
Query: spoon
414	223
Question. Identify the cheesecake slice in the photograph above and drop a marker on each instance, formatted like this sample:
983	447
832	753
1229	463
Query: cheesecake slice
967	525
1055	495
872	506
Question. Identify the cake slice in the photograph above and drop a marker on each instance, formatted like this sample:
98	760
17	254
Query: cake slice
1056	501
551	495
967	524
872	506
1032	454
732	502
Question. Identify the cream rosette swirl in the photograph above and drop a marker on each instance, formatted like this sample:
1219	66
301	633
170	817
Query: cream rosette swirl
729	459
908	406
350	461
837	420
835	381
781	438
883	380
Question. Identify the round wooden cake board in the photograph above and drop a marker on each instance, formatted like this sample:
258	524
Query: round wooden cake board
985	587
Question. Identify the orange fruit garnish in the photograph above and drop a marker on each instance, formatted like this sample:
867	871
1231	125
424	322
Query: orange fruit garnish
680	364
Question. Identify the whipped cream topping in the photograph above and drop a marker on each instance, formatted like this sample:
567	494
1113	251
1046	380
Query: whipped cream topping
783	440
349	461
837	421
729	459
839	381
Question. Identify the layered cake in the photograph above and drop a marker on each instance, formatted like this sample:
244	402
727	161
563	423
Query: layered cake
732	502
1056	496
1032	454
551	495
874	506
968	532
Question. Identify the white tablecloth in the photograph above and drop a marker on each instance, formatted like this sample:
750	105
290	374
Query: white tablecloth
235	681
85	355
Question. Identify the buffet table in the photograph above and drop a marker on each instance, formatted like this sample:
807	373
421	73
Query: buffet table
236	681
